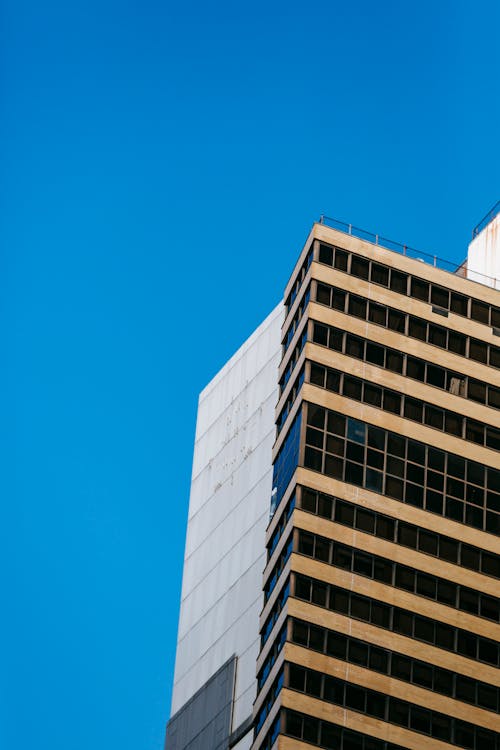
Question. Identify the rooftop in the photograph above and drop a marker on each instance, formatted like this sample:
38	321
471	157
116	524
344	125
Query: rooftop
410	252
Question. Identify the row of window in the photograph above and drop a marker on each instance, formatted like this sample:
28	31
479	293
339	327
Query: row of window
405	406
300	278
273	654
268	703
287	406
397	620
391	663
280	526
286	462
277	569
293	360
271	735
408	325
329	736
405	364
295	322
400	532
391	709
409	285
275	613
400	576
403	469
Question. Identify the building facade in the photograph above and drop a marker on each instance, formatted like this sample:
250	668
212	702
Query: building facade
218	639
379	623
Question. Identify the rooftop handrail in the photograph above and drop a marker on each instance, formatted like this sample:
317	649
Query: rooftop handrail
459	269
486	219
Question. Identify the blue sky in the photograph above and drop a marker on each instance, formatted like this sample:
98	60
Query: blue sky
161	166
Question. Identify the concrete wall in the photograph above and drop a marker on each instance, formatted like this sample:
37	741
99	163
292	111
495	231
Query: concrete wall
483	257
228	514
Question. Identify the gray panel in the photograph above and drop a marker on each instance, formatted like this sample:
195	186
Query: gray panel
204	722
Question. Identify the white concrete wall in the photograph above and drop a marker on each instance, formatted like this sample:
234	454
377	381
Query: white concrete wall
228	514
483	257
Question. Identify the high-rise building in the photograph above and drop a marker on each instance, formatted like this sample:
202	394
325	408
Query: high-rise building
380	621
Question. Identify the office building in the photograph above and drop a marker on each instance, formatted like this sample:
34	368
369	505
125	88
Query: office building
380	619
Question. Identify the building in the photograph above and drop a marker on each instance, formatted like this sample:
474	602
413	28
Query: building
380	623
218	639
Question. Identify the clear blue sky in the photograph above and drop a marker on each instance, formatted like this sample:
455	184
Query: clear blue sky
161	165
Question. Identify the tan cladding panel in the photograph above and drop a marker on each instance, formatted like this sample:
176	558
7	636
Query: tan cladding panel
390	686
403	343
377	293
357	721
402	384
396	509
393	596
399	425
393	641
408	265
395	552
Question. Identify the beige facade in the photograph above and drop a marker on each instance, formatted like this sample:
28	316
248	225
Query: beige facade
381	622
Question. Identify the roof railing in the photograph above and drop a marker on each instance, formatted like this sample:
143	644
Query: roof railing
486	219
459	269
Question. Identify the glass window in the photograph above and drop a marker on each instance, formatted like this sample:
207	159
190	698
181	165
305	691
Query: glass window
440	297
357	306
436	376
320	334
377	314
418	329
437	336
459	304
480	311
420	289
456	343
355	697
477	391
385	528
360	607
355	347
356	430
394	361
375	354
352	387
326	254
319	594
478	351
397	321
360	267
323	293
394	488
344	513
338	300
424	629
376	438
379	274
317	375
428	542
415	368
358	653
399	282
392	402
365	520
333	381
336	645
372	394
341	258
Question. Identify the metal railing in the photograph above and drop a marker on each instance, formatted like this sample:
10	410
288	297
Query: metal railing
459	269
486	219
